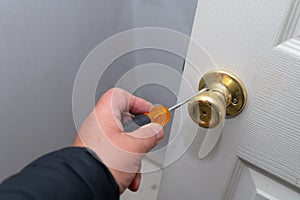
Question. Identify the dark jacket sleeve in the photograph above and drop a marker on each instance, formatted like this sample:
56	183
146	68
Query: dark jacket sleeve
68	174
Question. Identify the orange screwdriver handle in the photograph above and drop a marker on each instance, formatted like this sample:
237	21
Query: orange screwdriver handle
160	115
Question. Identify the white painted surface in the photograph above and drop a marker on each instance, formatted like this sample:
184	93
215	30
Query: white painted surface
272	139
240	36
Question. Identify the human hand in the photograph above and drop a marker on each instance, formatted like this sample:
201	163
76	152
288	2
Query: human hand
121	152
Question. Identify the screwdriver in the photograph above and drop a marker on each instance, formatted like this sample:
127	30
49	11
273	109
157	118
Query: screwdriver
159	114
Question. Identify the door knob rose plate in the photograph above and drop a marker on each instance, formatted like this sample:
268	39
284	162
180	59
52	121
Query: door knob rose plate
226	96
231	85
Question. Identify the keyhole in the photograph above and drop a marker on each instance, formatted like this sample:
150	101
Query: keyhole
204	113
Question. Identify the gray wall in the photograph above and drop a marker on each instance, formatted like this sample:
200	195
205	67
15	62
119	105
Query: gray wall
42	44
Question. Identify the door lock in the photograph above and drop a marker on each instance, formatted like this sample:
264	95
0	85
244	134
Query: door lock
226	97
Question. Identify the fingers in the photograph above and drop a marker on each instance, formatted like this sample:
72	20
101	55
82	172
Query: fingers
136	182
113	103
145	138
138	105
109	115
124	101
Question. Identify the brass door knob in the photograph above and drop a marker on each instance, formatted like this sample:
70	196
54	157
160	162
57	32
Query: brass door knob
226	96
207	109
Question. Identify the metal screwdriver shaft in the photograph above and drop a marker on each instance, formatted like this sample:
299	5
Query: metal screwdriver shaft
186	100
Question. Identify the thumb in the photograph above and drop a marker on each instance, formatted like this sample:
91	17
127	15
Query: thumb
147	137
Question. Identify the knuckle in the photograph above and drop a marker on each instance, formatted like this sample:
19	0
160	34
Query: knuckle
112	90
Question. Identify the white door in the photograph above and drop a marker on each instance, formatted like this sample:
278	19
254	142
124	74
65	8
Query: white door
258	154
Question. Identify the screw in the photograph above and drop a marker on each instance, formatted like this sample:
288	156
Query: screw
234	101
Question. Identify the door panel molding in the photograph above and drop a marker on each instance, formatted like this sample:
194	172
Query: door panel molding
249	182
272	138
290	27
238	170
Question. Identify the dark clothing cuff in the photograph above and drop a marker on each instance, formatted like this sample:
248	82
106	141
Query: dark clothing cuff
70	173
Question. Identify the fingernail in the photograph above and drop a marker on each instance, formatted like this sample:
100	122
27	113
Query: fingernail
157	129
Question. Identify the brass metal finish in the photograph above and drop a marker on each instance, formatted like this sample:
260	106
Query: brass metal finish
225	91
207	109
